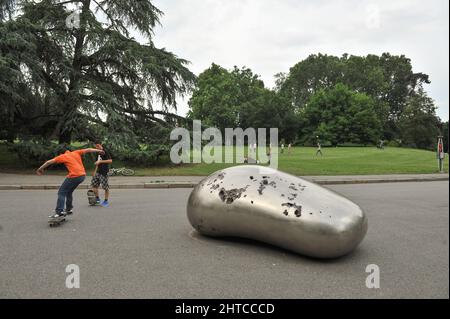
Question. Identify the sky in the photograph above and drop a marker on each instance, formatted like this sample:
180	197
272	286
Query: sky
270	36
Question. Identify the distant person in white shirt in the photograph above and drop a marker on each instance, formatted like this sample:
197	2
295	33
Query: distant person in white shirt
319	149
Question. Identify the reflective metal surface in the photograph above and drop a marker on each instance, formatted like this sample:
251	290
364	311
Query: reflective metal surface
277	208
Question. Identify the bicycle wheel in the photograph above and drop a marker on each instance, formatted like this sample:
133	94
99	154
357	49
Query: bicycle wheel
127	172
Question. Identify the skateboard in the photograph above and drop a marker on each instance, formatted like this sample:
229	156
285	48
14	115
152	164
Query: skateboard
52	222
92	198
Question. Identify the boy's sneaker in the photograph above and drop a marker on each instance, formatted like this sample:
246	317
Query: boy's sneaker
97	201
68	212
105	203
57	215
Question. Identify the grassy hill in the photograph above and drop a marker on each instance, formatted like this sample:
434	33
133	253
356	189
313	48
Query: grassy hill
301	161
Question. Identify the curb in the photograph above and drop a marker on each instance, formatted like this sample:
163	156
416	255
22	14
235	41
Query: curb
169	185
176	185
376	181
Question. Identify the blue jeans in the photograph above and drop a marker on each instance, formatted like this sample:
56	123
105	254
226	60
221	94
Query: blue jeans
65	193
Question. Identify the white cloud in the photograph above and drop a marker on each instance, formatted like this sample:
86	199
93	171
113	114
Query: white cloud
270	36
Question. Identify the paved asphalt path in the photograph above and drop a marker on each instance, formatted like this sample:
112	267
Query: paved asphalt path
142	246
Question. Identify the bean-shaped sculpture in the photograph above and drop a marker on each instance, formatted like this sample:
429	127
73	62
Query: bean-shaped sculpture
270	206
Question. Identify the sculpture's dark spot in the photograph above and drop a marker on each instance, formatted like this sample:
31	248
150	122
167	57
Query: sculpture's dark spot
293	196
251	177
298	208
293	188
261	188
265	182
229	196
286	212
252	202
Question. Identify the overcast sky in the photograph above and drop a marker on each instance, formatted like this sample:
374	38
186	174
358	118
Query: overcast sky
270	36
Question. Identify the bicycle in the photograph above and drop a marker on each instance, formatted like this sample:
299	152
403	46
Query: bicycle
120	171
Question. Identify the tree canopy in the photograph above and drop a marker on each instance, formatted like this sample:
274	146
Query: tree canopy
348	99
340	115
58	79
75	70
238	98
388	79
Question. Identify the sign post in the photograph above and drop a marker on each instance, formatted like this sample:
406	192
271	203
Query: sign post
440	154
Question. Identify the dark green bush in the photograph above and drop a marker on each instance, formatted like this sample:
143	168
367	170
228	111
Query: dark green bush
34	152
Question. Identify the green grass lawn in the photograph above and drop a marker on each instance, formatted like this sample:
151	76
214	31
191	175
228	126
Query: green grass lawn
301	161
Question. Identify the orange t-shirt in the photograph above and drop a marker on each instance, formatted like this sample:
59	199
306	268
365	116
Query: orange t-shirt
73	162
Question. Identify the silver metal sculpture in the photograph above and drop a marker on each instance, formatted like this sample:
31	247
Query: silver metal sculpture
277	208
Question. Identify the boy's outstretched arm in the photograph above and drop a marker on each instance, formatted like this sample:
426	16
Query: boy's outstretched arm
93	150
108	161
40	170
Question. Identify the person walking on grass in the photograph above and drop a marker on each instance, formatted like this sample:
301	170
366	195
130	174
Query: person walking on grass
381	145
74	164
319	149
100	176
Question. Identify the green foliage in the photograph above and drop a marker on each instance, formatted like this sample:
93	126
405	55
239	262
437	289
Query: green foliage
57	81
271	110
96	81
219	95
309	76
339	115
418	124
238	98
6	9
35	151
387	79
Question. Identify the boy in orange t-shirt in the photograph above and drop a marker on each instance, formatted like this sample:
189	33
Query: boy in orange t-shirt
77	174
